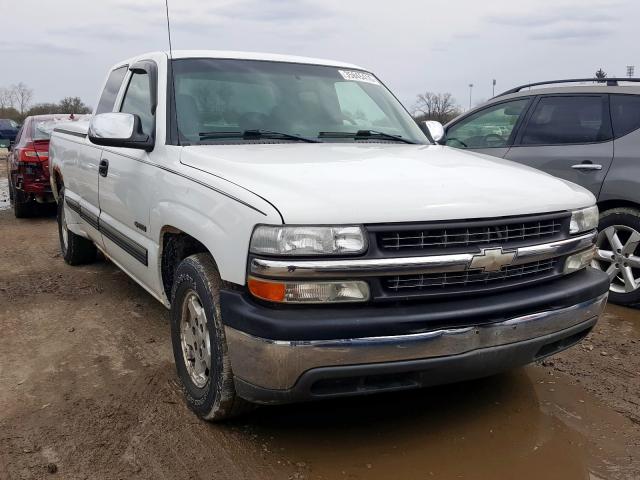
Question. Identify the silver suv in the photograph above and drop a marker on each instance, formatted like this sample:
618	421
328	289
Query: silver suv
588	134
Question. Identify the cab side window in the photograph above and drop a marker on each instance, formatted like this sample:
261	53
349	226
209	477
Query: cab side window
137	100
488	128
625	113
560	120
111	89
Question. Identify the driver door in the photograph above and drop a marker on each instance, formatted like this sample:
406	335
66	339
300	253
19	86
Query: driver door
490	130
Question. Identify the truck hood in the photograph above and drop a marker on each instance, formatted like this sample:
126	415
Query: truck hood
342	183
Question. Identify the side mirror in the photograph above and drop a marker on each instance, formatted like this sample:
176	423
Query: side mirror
436	130
119	130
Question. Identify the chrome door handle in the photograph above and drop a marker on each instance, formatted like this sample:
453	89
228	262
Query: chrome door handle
587	166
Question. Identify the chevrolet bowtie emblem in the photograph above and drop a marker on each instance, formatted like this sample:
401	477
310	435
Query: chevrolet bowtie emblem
492	259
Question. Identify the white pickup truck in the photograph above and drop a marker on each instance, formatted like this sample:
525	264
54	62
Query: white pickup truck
310	239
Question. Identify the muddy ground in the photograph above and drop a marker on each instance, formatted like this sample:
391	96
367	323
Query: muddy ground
88	391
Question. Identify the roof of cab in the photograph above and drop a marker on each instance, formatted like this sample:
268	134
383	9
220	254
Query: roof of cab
226	54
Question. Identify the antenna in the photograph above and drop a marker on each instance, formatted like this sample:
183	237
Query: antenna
173	117
166	4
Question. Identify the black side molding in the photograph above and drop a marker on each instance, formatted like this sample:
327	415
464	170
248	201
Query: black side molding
69	132
133	248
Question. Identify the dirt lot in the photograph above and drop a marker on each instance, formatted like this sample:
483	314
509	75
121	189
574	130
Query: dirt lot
88	390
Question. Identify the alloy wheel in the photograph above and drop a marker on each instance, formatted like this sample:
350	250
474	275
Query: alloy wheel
616	255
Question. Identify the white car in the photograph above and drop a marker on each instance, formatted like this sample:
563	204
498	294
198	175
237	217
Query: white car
310	239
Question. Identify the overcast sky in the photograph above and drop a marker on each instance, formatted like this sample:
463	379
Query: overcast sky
64	47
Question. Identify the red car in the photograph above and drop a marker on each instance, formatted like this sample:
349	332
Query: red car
28	162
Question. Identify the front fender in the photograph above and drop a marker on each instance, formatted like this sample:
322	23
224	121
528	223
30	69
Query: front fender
224	228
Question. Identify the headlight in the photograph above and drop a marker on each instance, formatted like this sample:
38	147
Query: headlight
300	240
584	219
309	292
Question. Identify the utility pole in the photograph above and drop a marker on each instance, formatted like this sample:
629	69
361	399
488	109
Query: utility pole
630	70
493	91
470	90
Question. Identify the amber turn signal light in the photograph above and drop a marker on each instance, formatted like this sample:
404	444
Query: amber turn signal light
271	291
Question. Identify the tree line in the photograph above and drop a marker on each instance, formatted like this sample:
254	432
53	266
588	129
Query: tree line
16	103
435	106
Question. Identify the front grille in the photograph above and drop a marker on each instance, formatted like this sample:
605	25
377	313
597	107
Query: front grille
469	280
469	235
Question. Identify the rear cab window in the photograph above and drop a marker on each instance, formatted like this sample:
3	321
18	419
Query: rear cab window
562	120
625	114
110	93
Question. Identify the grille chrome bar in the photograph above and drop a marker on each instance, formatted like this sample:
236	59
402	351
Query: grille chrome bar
363	267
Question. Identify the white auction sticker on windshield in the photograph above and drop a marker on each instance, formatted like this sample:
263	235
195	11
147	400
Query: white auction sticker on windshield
359	76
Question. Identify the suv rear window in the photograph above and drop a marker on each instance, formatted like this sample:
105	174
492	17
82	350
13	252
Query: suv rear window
625	113
566	120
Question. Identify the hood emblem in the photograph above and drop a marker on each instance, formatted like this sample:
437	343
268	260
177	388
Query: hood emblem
492	259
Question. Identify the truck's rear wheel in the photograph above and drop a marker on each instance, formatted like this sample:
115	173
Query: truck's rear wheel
199	344
76	250
618	253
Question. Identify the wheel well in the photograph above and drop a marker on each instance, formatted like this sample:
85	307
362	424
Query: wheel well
58	183
609	204
176	246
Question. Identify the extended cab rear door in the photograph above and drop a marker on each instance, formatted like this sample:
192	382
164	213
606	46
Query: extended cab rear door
568	136
80	159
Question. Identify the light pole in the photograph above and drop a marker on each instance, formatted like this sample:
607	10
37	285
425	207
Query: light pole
470	90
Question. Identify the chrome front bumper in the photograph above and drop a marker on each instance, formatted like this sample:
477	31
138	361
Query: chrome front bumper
277	365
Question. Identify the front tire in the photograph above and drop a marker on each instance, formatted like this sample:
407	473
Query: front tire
76	250
618	254
199	343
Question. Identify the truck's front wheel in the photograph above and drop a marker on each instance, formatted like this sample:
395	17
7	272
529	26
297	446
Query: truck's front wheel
199	345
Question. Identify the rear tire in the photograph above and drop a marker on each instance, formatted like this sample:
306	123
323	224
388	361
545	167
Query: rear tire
76	250
618	253
21	208
199	343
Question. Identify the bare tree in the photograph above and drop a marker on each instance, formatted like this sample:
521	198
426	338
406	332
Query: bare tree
23	96
7	98
435	106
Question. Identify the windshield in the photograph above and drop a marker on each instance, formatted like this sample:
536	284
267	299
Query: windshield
218	100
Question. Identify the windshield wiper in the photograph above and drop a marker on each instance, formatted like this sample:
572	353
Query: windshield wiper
257	133
363	134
